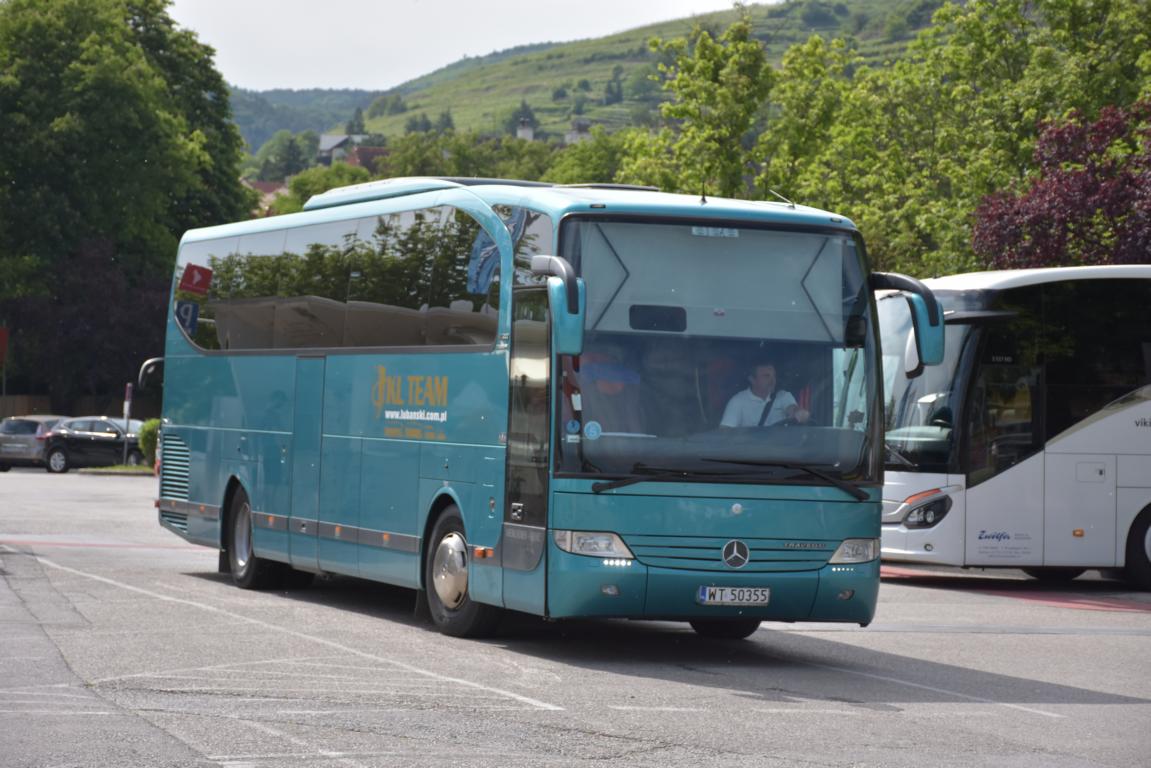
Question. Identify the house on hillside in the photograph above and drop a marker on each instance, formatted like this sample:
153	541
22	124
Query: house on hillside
335	146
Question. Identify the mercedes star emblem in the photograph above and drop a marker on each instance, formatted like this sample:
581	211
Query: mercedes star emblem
735	553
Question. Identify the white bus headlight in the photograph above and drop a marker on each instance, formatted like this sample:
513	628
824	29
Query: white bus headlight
592	544
856	551
929	514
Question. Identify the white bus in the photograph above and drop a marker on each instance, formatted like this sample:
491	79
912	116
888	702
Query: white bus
1030	446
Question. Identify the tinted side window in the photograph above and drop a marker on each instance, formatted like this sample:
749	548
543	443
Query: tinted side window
1097	345
416	278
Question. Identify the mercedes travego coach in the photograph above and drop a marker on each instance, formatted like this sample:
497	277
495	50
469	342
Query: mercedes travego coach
509	395
1030	446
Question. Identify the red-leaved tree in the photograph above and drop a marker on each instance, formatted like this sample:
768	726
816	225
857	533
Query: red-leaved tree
1089	204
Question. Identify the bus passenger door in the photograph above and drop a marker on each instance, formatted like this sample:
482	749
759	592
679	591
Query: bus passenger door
524	538
307	426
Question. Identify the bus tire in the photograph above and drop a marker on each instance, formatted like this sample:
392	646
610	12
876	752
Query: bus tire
725	629
446	581
1137	571
248	570
1054	575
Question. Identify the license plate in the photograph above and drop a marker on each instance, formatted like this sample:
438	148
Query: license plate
733	595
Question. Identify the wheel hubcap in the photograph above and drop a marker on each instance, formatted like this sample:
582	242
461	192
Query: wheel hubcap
450	570
57	461
243	538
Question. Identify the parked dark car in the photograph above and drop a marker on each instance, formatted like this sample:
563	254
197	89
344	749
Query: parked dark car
92	441
22	440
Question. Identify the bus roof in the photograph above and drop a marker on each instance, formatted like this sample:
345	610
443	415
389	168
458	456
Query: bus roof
995	280
553	199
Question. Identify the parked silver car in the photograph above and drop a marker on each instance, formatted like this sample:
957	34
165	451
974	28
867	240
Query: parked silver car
23	439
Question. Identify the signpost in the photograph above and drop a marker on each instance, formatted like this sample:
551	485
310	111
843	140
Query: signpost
127	416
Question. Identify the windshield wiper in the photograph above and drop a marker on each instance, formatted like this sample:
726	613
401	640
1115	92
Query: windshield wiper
853	490
645	472
894	453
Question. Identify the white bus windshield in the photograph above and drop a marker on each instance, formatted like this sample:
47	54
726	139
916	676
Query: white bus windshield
920	412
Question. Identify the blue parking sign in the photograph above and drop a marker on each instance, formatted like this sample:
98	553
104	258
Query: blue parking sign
187	314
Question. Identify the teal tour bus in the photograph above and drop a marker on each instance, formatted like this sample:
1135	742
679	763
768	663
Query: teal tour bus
570	401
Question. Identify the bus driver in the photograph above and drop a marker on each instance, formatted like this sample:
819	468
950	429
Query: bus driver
761	404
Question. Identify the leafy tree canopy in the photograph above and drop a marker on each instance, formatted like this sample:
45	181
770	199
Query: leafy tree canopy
1090	202
117	137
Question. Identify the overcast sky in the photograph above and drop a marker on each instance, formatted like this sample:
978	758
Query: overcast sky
264	44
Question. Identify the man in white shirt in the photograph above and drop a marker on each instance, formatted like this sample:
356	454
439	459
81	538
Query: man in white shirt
761	404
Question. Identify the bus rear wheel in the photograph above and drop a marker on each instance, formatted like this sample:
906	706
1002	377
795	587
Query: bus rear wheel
1138	568
446	581
725	629
248	570
1054	575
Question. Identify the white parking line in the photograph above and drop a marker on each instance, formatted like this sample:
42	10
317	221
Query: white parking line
304	636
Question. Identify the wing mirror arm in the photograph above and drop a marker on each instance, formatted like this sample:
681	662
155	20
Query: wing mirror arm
557	266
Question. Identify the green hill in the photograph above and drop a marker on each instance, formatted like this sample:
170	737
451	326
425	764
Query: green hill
600	81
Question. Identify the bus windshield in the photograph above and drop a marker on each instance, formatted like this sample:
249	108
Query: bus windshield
680	317
920	412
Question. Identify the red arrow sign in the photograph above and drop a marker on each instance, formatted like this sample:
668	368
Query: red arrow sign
195	279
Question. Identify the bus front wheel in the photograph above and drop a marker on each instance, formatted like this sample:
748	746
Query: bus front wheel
248	571
446	581
725	629
1138	567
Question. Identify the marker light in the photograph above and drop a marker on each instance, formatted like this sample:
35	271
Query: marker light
592	544
856	551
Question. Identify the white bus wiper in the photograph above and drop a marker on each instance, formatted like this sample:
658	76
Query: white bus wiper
894	453
854	490
642	473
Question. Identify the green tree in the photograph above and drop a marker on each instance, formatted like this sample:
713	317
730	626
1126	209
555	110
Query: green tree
596	159
909	150
117	137
418	124
355	126
717	88
315	180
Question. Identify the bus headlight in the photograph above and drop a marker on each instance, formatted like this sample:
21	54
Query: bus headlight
855	551
926	509
592	544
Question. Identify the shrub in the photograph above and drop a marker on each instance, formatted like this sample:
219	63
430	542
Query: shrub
148	435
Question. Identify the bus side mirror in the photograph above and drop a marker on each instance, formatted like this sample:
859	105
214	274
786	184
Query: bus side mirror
151	374
926	316
567	299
